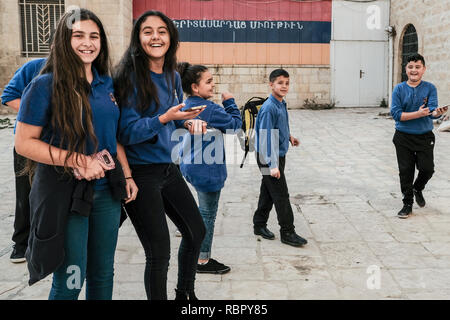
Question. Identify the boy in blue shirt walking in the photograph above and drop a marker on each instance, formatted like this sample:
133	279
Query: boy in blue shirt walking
11	97
414	105
272	143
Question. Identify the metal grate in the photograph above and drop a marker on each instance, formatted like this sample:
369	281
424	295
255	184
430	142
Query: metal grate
38	19
410	46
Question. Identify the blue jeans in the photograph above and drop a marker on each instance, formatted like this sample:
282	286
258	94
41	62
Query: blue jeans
208	202
90	244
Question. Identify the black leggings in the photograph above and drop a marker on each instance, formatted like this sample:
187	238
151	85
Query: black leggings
162	190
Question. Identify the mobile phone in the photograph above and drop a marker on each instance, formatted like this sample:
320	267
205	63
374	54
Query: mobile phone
425	102
195	108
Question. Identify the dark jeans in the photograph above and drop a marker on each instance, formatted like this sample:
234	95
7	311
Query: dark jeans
89	246
162	190
22	215
414	151
274	192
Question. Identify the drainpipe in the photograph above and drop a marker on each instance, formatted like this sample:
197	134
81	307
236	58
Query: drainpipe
391	62
391	34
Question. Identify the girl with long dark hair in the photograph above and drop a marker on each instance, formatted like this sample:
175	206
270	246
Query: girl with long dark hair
149	93
67	115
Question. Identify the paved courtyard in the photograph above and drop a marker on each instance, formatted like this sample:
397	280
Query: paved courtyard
344	189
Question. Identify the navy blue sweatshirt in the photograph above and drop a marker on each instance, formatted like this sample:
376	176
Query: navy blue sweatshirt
145	138
203	156
409	99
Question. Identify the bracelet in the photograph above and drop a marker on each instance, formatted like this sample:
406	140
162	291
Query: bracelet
128	177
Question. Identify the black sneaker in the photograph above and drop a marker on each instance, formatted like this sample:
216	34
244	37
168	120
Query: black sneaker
419	198
405	212
213	266
17	255
293	239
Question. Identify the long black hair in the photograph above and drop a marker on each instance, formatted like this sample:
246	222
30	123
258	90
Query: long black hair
133	68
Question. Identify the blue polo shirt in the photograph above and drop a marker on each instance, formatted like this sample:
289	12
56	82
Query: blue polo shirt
145	138
409	99
36	109
272	115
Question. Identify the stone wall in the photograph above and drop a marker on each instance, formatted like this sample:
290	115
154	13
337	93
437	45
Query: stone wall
246	81
431	18
116	16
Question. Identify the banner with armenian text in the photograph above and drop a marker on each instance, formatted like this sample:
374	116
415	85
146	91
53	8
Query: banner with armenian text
259	32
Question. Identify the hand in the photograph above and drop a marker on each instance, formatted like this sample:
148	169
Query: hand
175	113
294	141
226	96
132	190
275	173
196	126
423	112
89	169
439	111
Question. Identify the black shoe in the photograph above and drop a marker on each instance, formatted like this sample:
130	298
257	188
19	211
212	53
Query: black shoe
293	239
17	255
263	232
213	266
405	212
185	295
419	198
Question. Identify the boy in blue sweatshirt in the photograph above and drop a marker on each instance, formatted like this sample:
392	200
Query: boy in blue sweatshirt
11	97
272	143
414	105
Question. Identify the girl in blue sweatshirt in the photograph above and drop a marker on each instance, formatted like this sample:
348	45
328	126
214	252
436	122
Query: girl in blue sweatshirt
203	158
149	93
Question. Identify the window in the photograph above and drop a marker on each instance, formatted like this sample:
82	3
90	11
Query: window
410	46
38	19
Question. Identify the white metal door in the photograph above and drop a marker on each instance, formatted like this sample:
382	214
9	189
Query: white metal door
360	73
346	66
373	81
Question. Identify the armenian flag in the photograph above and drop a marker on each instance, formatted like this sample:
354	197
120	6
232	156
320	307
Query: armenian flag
294	32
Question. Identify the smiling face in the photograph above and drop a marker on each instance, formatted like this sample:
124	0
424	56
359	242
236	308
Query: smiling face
85	41
205	86
415	71
280	87
154	38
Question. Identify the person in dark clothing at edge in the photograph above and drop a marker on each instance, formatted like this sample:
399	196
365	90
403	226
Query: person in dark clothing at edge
272	143
414	106
11	97
66	115
149	93
202	166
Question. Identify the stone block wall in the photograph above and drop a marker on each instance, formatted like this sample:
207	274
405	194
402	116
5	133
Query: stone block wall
431	18
246	81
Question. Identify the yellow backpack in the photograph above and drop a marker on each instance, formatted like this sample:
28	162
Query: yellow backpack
247	134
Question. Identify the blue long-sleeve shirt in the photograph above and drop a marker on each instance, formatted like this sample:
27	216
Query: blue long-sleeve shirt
145	138
272	131
22	77
409	99
203	156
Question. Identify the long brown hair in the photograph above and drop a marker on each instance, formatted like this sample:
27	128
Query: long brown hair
71	115
133	69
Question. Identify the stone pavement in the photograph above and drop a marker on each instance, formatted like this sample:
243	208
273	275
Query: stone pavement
344	188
